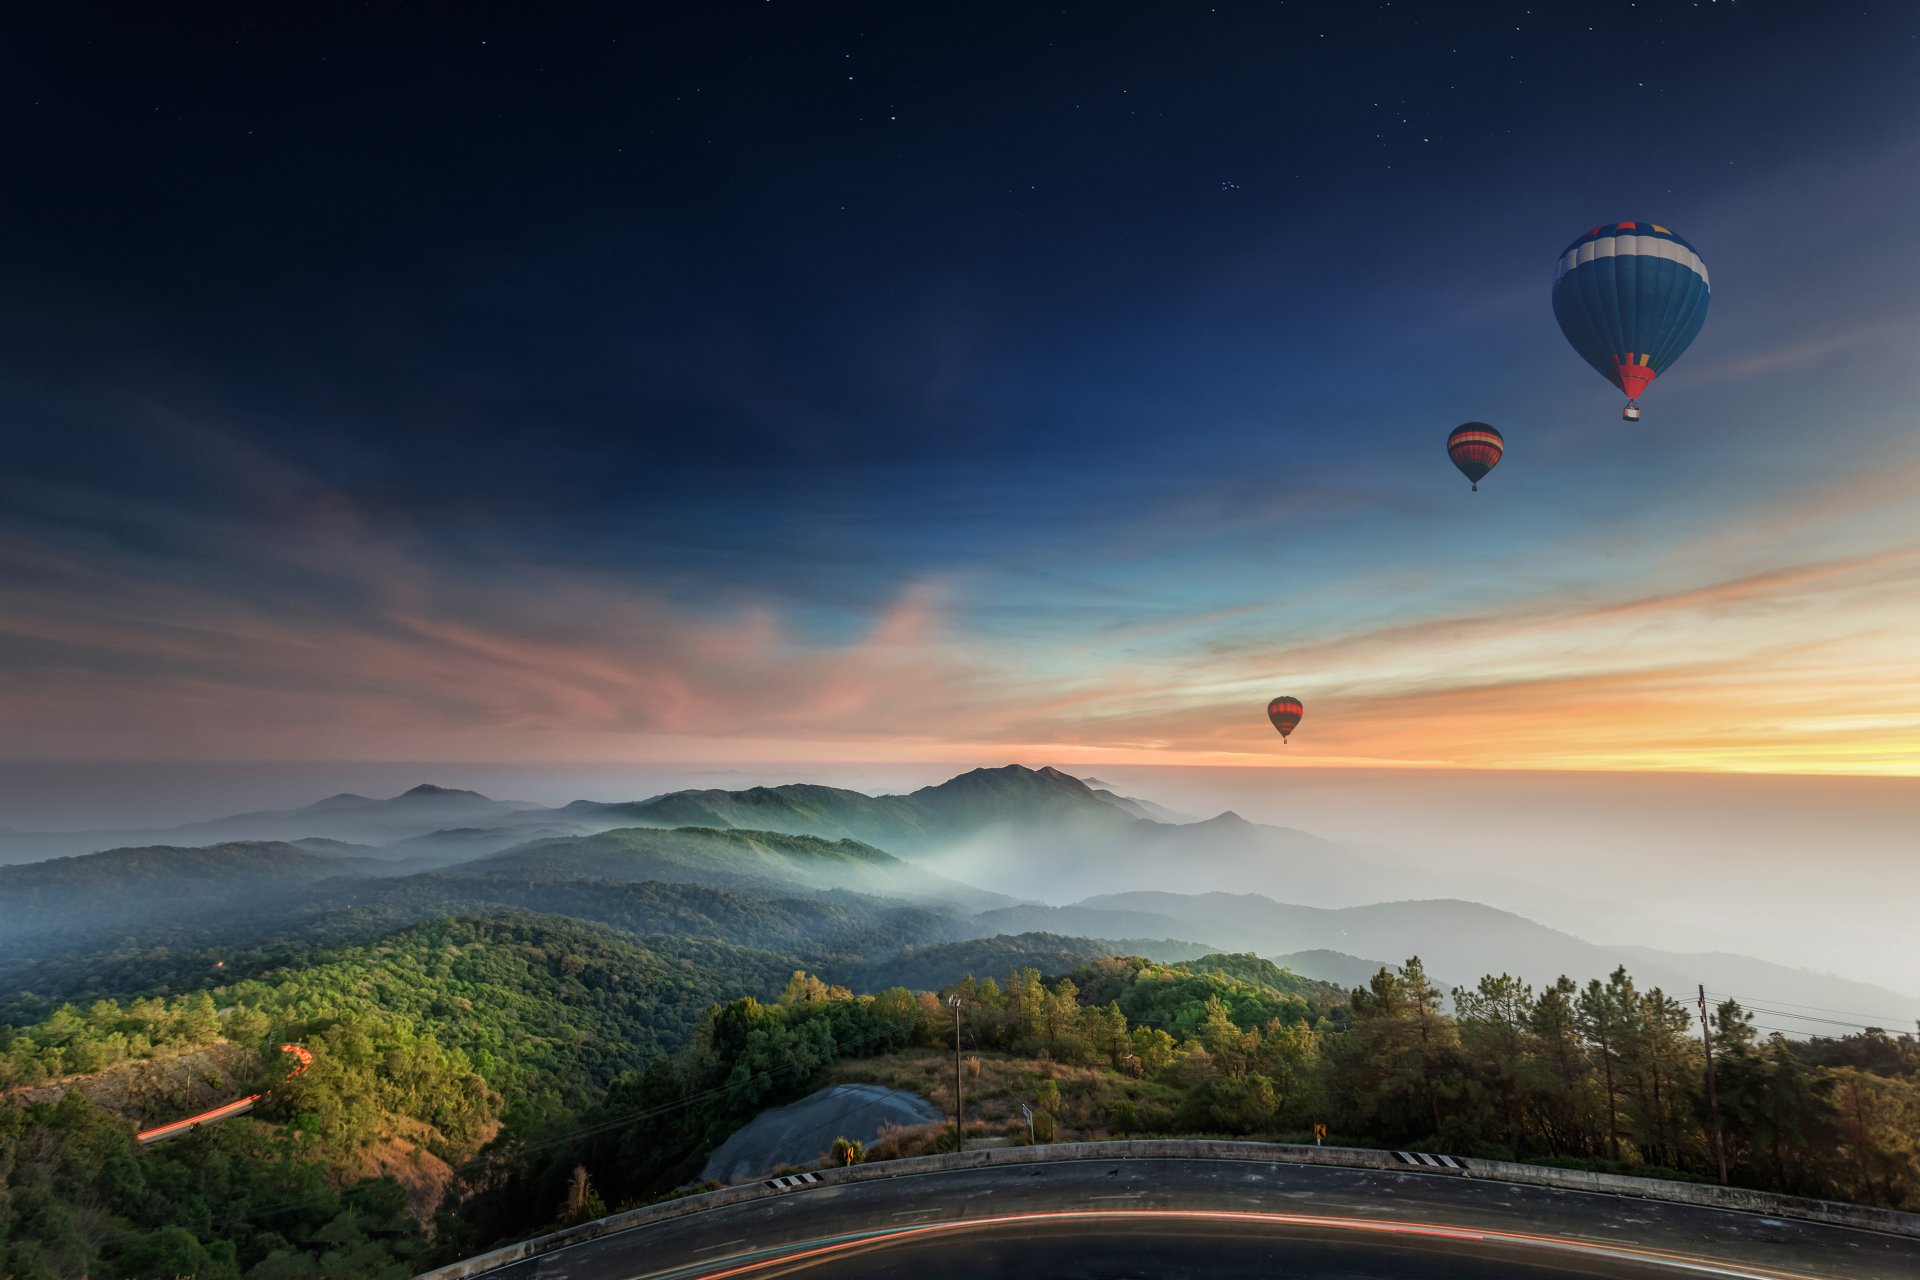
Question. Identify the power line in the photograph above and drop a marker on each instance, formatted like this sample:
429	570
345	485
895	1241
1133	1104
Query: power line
1791	1031
1805	1017
1878	1020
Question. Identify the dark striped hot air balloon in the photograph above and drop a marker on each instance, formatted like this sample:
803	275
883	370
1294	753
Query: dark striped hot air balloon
1630	296
1285	714
1475	448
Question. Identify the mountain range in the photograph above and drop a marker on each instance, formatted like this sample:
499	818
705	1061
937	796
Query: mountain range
1028	834
440	819
836	877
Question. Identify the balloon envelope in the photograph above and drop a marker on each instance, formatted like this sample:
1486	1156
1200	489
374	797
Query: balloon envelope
1631	297
1285	714
1475	448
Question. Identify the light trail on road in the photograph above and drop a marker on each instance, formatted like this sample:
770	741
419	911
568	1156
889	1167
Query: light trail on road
815	1252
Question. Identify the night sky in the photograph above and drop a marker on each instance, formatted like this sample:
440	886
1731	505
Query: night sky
771	380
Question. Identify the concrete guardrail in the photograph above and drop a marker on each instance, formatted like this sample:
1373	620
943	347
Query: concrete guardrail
1705	1195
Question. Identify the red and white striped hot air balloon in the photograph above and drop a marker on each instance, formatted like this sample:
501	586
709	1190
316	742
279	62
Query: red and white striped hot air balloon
1476	449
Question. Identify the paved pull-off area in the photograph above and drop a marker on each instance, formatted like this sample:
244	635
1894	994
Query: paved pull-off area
1217	1219
800	1133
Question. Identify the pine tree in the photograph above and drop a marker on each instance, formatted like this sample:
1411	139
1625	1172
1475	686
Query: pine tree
1560	1084
1498	1045
1431	1029
1599	1022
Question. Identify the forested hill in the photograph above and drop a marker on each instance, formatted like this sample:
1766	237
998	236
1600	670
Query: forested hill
1254	971
794	809
817	928
426	1043
450	823
144	921
829	932
73	899
929	818
348	818
1457	938
926	966
729	858
533	1002
536	1039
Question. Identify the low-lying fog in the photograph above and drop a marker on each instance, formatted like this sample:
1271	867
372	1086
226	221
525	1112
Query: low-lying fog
1815	872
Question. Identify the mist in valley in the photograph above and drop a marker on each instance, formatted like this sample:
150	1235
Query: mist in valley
1806	872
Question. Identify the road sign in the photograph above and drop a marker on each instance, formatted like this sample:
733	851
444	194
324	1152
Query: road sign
1319	1133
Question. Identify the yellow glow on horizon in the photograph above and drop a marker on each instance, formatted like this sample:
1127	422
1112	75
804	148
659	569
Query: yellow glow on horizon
1789	645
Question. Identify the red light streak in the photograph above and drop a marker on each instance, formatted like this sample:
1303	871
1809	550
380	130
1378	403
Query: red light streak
1377	1226
304	1059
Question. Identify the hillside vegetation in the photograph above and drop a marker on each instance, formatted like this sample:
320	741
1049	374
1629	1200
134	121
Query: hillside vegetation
926	819
523	1055
573	1023
431	1041
729	858
256	907
928	965
1604	1077
78	900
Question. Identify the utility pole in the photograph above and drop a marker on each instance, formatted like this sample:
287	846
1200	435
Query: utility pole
959	1106
1713	1092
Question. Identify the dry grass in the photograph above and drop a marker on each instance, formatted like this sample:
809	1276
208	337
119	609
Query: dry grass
405	1156
897	1142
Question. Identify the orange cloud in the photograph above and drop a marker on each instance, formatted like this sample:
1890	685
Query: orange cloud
1766	671
320	638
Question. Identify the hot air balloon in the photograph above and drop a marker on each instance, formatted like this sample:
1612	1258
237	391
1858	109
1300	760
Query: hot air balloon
1285	714
1630	296
1475	448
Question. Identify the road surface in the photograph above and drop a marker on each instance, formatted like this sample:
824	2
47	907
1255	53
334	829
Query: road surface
1219	1220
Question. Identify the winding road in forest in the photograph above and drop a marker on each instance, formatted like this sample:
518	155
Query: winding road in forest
1218	1219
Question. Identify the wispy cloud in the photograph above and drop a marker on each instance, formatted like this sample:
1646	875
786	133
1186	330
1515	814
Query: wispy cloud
292	623
1792	357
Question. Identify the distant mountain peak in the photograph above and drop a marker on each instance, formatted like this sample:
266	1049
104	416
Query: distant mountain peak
1225	818
426	790
345	800
1012	782
1015	773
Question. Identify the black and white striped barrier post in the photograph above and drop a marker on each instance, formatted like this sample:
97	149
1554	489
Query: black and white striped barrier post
1421	1158
793	1180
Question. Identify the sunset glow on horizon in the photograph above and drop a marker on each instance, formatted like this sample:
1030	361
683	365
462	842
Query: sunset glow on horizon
935	488
1801	669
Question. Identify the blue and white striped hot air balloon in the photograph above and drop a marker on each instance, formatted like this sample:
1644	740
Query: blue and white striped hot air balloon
1630	296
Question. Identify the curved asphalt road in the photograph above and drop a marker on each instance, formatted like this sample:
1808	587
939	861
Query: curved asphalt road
1219	1220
